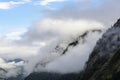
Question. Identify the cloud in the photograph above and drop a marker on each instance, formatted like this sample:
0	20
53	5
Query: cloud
47	28
58	27
13	51
75	59
10	49
37	46
11	68
46	2
16	35
105	11
11	4
54	32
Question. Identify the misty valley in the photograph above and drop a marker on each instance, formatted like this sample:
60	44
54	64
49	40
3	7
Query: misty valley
59	40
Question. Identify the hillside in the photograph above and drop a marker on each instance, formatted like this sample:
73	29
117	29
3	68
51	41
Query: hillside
103	63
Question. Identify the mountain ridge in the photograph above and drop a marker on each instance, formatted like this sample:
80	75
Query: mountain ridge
104	50
103	62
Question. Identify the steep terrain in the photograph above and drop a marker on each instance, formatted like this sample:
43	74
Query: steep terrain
103	63
52	76
109	70
105	56
62	51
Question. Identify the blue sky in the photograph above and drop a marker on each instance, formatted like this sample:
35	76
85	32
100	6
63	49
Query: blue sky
18	17
21	16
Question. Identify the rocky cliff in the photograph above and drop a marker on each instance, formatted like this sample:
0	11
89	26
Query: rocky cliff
104	61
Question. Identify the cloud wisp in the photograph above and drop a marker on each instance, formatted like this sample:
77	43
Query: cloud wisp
104	11
12	4
46	2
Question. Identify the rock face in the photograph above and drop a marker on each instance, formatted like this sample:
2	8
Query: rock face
52	76
104	61
109	69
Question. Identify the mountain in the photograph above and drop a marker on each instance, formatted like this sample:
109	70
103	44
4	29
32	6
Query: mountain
104	70
103	62
18	77
76	41
52	76
62	50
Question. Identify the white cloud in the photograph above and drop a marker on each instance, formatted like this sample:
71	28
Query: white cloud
14	35
59	31
9	65
14	51
11	4
37	45
46	2
75	58
12	68
47	28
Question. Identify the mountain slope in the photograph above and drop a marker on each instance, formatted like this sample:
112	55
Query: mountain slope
63	51
110	70
52	76
104	60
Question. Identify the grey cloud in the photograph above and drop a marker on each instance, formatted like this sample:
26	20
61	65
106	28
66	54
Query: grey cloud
49	29
106	12
61	31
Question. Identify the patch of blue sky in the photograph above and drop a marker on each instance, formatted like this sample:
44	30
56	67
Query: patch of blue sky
8	0
22	16
18	17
